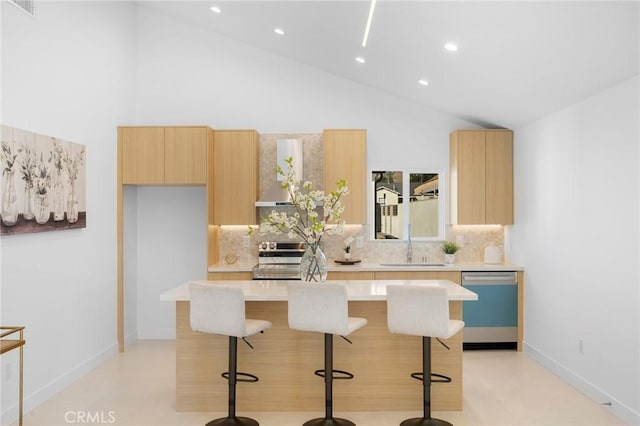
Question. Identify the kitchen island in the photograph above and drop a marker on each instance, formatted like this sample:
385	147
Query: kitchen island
285	359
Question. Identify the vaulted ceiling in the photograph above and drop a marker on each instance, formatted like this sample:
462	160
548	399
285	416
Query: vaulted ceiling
516	61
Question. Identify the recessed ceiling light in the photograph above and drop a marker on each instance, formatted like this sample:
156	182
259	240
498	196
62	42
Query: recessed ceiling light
278	31
216	9
451	47
423	82
360	59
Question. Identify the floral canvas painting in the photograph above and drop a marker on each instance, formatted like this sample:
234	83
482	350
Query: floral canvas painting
43	183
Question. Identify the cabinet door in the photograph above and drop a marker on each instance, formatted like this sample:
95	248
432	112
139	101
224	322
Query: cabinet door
345	157
142	155
468	177
454	276
481	177
341	275
229	276
499	177
235	177
185	155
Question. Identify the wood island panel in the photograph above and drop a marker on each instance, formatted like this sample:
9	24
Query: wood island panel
520	310
285	360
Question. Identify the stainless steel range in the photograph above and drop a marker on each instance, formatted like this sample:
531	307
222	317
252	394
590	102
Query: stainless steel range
278	261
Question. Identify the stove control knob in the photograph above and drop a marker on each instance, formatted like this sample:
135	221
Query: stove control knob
272	246
263	245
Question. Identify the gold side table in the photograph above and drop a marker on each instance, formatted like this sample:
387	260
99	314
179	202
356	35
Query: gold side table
8	344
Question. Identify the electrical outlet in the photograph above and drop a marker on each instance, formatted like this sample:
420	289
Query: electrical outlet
246	241
359	241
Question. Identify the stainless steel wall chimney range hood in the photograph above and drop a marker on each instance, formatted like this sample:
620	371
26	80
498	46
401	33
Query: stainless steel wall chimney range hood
274	194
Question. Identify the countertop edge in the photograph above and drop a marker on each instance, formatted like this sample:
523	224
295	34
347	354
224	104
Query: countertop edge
357	290
376	267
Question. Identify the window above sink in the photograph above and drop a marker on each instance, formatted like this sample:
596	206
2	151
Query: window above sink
407	200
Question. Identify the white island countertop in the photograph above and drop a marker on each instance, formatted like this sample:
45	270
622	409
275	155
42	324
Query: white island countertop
357	290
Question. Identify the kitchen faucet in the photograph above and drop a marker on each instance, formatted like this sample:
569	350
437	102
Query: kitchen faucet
409	248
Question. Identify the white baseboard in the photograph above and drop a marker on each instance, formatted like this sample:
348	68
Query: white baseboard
36	398
592	391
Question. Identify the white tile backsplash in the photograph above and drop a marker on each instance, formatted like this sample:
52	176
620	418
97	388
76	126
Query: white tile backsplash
476	239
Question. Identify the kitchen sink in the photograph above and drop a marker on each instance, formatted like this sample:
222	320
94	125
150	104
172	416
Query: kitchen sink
412	264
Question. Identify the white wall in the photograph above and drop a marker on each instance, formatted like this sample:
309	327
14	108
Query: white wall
171	250
67	73
186	75
576	233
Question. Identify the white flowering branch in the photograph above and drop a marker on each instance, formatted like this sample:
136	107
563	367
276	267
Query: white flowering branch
305	221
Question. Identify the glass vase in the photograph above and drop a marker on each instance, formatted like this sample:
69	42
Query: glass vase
41	208
313	265
9	200
27	214
72	205
58	198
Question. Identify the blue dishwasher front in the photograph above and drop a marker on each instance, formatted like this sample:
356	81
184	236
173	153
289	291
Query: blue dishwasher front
491	322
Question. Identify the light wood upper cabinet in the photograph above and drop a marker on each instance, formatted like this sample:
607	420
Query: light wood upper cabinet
142	155
235	180
499	177
163	155
185	155
481	167
345	157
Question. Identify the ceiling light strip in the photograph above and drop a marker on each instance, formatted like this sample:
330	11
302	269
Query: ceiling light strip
368	27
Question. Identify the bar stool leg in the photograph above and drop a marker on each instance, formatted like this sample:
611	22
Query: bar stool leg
328	420
231	419
328	376
426	419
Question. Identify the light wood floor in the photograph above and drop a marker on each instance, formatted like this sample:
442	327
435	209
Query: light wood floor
137	388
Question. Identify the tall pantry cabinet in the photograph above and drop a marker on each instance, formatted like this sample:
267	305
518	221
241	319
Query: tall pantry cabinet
156	156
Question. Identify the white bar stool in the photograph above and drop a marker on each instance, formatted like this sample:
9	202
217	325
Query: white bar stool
219	309
422	310
324	308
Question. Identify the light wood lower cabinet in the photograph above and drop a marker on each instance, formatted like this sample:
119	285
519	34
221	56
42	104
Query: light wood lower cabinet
229	276
454	276
340	275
